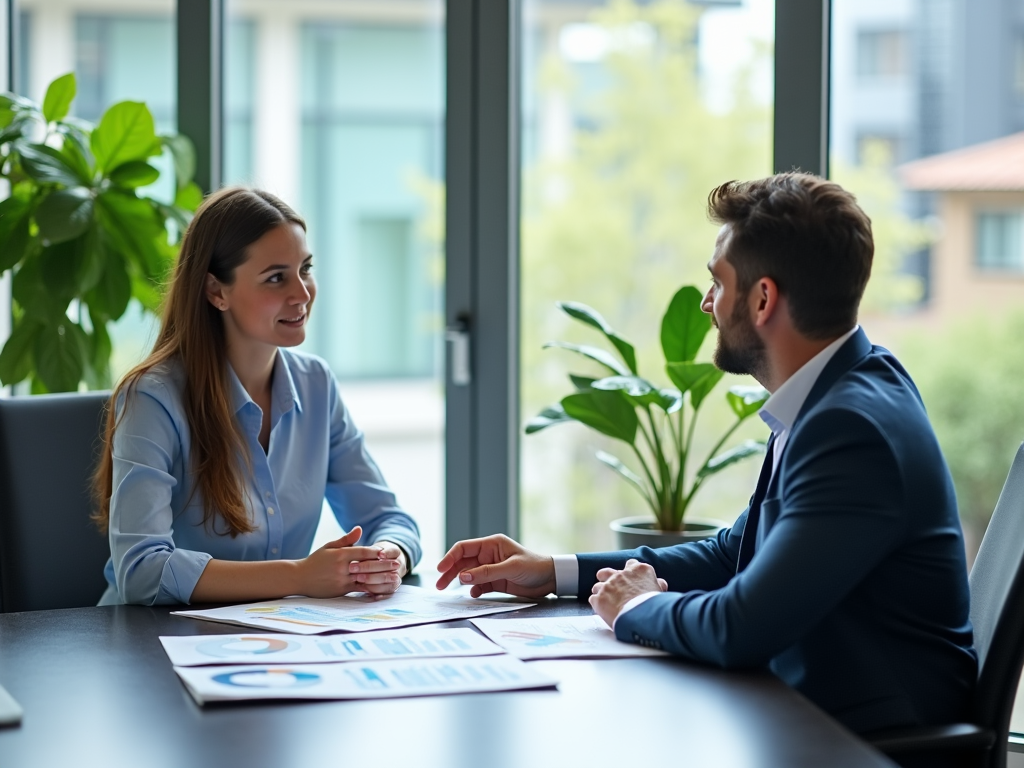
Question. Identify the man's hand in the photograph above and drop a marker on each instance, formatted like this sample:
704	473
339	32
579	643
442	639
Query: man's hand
497	564
616	588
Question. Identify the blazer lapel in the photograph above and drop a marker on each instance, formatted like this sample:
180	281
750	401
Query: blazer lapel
748	539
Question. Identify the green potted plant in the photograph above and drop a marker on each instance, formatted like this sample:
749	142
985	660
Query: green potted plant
80	234
657	423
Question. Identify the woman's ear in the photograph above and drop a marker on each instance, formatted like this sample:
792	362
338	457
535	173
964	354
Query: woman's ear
215	292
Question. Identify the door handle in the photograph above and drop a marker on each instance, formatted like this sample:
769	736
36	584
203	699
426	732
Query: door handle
457	336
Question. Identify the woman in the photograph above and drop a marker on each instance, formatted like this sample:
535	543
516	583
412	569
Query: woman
223	443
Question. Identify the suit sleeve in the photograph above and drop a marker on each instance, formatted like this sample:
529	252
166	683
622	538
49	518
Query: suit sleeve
841	512
703	565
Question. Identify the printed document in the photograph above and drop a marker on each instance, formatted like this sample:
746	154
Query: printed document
311	616
253	648
362	680
570	637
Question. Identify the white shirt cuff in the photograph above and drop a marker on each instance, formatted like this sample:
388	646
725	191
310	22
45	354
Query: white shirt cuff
633	604
567	575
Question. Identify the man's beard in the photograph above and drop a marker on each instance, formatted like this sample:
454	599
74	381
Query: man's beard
740	350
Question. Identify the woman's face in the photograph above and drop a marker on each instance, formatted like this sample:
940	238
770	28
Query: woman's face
272	293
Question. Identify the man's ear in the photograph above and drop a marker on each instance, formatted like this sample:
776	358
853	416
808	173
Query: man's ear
765	301
215	293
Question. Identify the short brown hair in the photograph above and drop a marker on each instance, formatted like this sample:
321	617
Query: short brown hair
809	236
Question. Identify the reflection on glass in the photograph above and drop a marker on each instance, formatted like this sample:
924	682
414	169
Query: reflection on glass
931	143
631	114
338	107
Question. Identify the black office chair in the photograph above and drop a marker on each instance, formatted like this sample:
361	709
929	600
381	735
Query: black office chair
51	554
997	612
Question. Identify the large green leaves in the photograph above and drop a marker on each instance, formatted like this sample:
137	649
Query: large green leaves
126	132
15	215
133	226
184	155
58	97
607	412
47	165
730	457
60	352
16	357
640	392
631	477
65	214
684	326
590	317
696	378
593	353
554	414
746	401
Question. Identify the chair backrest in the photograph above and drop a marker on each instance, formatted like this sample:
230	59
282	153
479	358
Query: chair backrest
51	554
997	605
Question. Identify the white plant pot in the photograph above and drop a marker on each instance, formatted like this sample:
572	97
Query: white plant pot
633	532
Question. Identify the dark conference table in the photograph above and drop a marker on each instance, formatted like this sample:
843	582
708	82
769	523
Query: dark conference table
98	690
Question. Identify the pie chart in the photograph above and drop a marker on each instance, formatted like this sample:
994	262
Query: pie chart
271	677
233	646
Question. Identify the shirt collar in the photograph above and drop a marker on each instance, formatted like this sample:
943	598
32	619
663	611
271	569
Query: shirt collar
782	408
283	394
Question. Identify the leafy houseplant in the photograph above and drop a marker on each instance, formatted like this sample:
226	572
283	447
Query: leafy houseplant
653	421
79	234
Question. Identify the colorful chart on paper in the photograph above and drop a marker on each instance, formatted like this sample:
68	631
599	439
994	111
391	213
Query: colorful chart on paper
311	616
571	637
362	680
413	643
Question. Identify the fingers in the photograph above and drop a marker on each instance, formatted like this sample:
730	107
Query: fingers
360	554
457	567
606	573
471	548
347	540
489	572
374	566
663	584
377	579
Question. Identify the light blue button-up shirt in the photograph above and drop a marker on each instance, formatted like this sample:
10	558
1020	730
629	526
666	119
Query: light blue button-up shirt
159	545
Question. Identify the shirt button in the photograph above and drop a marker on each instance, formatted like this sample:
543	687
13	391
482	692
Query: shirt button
273	551
267	494
270	510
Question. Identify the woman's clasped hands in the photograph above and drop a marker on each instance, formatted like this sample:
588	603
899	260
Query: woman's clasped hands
339	567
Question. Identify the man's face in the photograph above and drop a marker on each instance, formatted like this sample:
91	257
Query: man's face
740	350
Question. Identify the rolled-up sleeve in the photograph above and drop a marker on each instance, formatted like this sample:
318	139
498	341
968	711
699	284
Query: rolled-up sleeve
148	568
356	489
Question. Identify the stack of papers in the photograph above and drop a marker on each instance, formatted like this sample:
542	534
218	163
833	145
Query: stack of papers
424	642
361	680
572	637
310	616
386	663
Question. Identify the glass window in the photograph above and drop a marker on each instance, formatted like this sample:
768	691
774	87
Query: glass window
118	50
338	107
999	241
631	113
882	53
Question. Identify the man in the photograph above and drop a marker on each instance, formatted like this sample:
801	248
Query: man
846	573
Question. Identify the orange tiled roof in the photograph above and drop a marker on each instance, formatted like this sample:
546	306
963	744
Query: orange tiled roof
995	166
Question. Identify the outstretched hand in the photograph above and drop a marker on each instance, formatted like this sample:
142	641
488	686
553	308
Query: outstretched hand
497	564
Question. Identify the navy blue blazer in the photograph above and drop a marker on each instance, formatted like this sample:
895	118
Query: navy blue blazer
856	593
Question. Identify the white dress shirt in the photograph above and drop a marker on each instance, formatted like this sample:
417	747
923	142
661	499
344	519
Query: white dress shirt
779	413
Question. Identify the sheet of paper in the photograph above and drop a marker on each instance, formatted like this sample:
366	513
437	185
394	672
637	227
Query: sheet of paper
361	680
312	616
252	648
570	637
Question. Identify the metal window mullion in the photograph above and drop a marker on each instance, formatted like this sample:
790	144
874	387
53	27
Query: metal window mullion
802	42
482	173
200	85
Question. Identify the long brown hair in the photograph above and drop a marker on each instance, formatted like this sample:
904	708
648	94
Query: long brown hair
192	331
